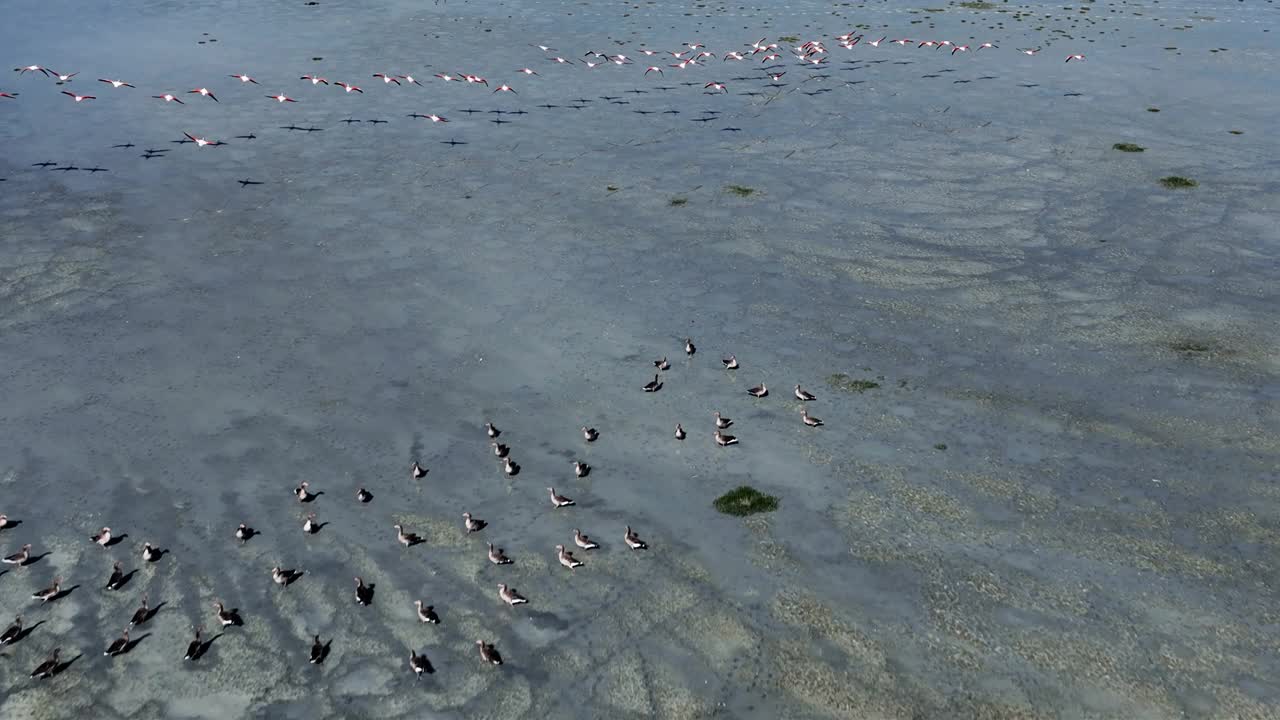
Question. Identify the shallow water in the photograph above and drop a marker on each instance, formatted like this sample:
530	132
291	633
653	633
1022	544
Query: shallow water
1058	502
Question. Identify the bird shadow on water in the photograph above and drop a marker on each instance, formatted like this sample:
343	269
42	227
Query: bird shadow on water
116	540
35	559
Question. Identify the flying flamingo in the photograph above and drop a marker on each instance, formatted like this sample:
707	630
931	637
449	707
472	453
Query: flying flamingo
349	88
8	95
116	83
387	79
719	87
315	79
168	98
409	78
527	71
32	68
78	98
876	43
201	142
985	45
244	78
903	41
959	48
282	98
1074	57
653	68
206	92
63	78
1029	51
504	88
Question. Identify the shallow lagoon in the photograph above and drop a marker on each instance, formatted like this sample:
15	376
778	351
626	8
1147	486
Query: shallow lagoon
1096	354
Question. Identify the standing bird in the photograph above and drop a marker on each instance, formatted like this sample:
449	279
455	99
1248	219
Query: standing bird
417	471
116	581
142	614
244	533
653	386
46	669
497	556
118	645
311	527
724	440
304	493
12	632
419	663
426	613
580	469
633	540
510	596
758	391
364	593
193	647
730	363
722	422
662	364
227	616
680	433
809	419
19	558
689	349
804	395
102	537
558	500
489	653
566	558
48	593
491	430
583	541
317	651
472	524
589	434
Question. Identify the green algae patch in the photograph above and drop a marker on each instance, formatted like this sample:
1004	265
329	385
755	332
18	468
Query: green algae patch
1177	181
740	190
840	381
678	201
1128	147
745	500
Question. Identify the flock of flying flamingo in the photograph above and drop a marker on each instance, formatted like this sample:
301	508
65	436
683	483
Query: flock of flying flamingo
813	55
